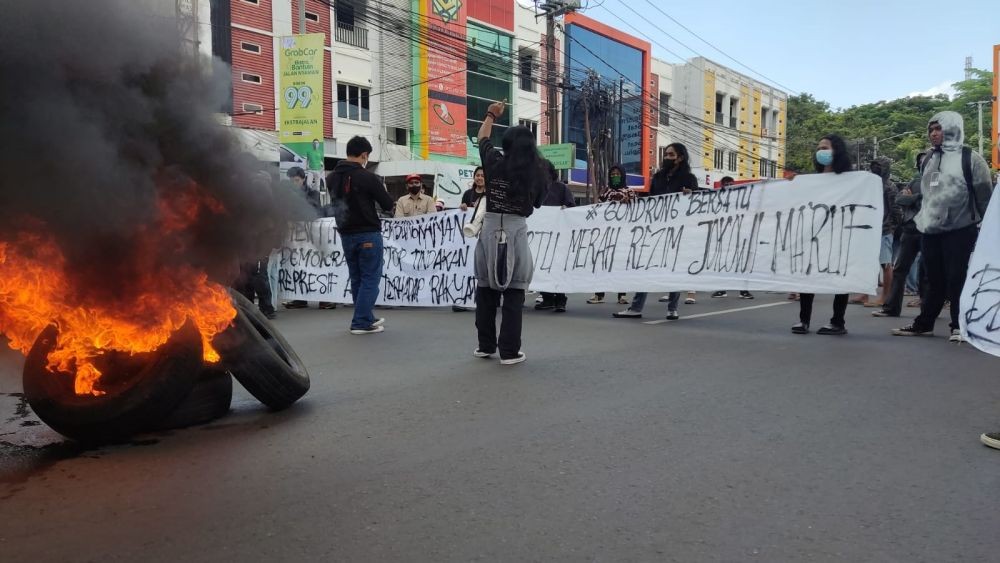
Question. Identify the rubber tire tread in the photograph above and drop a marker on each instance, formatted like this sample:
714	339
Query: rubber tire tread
209	399
129	409
249	351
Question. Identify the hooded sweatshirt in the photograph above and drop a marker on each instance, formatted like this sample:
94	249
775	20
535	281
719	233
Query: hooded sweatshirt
890	209
620	193
945	204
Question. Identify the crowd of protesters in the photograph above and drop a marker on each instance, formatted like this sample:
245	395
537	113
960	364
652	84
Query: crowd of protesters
929	230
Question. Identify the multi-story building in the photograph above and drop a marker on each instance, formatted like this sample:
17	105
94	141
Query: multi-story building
732	124
416	76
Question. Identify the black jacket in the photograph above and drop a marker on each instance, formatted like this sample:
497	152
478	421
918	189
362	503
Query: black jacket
355	192
559	195
664	182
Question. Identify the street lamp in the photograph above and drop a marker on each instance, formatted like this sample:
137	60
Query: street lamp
888	139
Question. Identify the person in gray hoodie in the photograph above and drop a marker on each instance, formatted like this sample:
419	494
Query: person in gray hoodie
955	190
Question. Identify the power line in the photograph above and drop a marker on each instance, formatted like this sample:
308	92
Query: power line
727	55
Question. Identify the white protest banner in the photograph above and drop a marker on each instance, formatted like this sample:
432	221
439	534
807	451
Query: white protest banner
980	302
819	234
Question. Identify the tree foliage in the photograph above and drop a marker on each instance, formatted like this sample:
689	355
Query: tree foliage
809	119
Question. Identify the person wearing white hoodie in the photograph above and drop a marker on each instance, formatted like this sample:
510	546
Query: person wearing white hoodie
955	187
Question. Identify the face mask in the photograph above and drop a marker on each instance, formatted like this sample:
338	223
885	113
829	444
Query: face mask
413	189
616	181
668	163
824	157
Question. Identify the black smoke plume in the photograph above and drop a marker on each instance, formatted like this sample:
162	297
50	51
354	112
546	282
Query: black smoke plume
104	112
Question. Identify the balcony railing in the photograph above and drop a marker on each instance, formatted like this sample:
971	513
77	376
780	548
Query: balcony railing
732	122
352	35
719	119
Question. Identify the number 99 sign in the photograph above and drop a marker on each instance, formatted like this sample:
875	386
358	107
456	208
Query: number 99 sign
301	96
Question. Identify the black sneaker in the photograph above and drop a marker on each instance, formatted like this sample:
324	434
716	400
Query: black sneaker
991	439
559	309
672	316
543	306
271	316
911	330
800	328
884	313
627	314
832	330
374	329
720	294
746	295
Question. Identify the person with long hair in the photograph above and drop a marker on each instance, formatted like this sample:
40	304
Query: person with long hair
516	184
471	196
674	176
831	157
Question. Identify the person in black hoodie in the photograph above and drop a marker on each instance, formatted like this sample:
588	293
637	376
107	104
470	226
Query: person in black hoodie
557	196
355	192
674	176
909	247
618	191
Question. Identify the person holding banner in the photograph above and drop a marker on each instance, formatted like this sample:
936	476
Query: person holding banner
559	195
673	177
831	156
515	186
618	191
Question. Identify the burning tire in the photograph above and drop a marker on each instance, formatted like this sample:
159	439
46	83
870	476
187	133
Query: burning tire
138	391
209	399
260	358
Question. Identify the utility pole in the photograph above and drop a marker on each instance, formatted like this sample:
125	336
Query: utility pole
553	9
980	105
302	16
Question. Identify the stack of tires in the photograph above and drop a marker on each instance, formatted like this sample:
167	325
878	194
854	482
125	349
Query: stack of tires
171	387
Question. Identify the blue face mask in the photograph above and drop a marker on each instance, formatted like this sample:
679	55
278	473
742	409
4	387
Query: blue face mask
824	157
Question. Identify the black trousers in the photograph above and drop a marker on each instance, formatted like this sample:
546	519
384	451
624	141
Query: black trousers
906	254
487	302
839	308
554	299
254	284
601	295
946	259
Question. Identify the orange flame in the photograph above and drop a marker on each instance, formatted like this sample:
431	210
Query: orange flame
36	290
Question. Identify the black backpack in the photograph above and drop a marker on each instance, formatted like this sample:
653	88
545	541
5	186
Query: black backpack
967	172
340	199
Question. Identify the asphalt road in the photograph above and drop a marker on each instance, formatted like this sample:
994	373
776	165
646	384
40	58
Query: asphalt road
715	438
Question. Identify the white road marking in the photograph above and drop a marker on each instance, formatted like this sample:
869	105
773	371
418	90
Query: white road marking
724	312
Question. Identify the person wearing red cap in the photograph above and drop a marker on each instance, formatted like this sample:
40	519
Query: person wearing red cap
415	202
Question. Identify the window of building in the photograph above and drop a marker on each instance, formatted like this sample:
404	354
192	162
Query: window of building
312	17
254	2
489	78
732	161
734	111
531	125
397	136
353	102
720	156
344	11
526	71
664	108
253	108
763	168
250	47
765	121
772	169
719	117
252	78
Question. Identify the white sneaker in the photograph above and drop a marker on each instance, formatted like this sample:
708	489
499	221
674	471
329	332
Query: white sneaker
627	314
515	360
379	322
664	299
480	354
690	301
370	330
956	336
